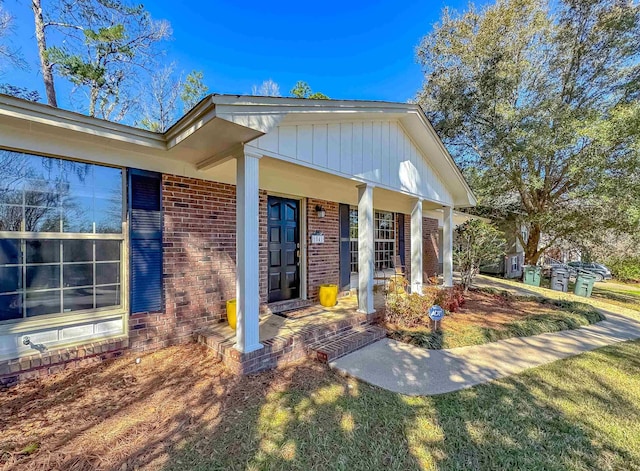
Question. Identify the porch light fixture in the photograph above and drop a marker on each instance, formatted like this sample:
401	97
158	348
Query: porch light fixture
320	211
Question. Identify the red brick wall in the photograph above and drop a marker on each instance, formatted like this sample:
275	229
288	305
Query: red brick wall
264	248
430	247
407	243
323	260
199	262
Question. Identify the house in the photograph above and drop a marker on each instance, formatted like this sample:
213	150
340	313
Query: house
511	264
115	238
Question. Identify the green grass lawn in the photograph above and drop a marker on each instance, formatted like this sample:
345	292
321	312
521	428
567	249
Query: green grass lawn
627	296
576	414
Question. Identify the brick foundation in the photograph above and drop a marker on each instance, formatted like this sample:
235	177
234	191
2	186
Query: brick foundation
55	361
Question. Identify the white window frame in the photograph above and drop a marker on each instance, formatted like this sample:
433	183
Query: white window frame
515	263
353	239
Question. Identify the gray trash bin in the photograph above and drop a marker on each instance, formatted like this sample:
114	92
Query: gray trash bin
560	279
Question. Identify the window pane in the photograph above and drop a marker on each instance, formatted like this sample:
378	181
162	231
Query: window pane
108	215
39	219
107	296
10	218
55	194
10	252
10	279
42	302
77	213
107	273
78	275
11	195
78	250
77	299
10	307
107	250
43	251
43	277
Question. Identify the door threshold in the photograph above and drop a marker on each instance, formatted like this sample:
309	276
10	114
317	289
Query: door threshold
288	305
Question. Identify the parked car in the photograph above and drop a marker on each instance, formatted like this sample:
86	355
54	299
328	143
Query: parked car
548	269
600	271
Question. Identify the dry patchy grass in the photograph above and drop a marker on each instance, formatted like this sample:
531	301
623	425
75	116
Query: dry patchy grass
180	410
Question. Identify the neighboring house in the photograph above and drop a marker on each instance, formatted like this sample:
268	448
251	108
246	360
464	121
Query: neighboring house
512	263
116	238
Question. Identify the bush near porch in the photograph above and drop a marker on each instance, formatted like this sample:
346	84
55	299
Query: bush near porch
482	316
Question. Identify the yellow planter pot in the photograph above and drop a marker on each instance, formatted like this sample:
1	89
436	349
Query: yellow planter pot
231	313
328	295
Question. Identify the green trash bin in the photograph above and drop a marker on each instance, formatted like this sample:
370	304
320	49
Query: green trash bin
532	275
584	285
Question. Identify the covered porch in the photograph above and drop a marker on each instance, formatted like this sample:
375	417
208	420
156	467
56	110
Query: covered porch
259	177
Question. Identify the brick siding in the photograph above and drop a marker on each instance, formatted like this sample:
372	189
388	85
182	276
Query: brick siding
430	259
199	242
323	260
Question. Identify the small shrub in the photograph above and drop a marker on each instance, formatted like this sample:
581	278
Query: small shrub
450	299
625	268
411	310
407	310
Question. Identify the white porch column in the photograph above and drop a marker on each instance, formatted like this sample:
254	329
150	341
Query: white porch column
247	253
365	249
416	247
447	246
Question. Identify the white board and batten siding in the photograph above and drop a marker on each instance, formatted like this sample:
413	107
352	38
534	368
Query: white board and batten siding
379	152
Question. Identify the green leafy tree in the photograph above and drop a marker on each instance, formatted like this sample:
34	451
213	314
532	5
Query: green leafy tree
303	90
475	243
538	103
102	47
193	90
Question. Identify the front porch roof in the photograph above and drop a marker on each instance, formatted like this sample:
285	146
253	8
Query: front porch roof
220	125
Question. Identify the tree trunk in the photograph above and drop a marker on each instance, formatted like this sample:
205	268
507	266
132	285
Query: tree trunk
45	66
531	252
93	100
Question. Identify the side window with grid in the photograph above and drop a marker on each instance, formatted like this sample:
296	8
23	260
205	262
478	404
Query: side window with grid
60	236
384	239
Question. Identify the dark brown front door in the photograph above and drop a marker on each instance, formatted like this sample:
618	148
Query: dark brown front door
284	248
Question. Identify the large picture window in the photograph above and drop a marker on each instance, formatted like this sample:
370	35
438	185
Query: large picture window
384	239
60	236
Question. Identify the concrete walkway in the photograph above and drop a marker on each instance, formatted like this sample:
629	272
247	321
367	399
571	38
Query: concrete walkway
410	370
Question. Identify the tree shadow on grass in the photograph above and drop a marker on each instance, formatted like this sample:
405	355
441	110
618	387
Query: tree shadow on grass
182	411
305	417
543	419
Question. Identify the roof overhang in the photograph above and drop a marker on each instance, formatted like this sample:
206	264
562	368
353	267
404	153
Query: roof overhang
220	124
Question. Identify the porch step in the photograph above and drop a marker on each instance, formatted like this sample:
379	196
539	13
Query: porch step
345	342
289	305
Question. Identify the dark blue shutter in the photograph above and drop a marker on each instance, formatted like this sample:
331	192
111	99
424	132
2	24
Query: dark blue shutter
345	248
145	232
401	245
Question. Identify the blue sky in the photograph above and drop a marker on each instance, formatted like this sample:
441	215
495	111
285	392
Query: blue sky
356	50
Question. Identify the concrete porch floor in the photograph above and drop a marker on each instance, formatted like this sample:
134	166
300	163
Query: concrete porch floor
272	325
